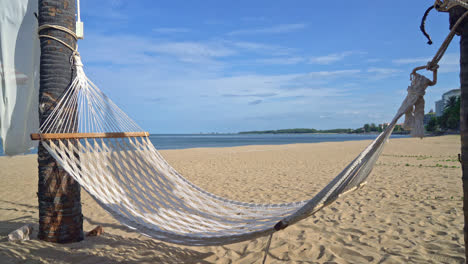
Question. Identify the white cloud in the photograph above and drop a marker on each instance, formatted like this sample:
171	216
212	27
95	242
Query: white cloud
328	59
450	62
382	70
250	95
334	74
119	49
418	60
205	82
133	50
107	10
192	49
194	96
260	48
285	28
187	80
320	78
381	73
331	58
281	61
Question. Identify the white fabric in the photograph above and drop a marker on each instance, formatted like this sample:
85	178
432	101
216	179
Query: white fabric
19	75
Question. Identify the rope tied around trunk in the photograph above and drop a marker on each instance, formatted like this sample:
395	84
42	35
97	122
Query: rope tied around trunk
75	56
70	32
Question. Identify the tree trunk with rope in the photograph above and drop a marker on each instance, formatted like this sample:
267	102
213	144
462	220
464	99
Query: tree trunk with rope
60	217
462	30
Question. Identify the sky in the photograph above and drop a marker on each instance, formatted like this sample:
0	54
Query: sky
229	66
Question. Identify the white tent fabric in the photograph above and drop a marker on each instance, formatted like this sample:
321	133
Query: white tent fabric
19	75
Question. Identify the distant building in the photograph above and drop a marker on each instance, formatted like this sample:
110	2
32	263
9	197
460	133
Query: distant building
440	105
429	116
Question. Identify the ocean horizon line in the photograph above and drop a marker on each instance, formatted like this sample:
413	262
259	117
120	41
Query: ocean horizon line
188	141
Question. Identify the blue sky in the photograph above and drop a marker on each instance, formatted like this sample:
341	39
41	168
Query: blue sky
229	66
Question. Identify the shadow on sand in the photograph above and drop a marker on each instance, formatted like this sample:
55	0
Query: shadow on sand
107	248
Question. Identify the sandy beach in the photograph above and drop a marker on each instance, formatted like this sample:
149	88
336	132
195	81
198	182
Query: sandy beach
409	212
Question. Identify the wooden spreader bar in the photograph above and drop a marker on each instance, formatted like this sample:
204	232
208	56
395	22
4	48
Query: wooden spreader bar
38	136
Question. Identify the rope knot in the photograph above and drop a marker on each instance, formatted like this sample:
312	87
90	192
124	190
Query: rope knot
77	60
432	66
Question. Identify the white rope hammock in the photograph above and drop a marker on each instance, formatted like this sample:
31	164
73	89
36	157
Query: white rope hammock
112	158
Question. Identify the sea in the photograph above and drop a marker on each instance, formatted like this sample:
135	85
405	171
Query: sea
184	141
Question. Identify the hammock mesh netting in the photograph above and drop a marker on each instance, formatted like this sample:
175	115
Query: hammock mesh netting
113	159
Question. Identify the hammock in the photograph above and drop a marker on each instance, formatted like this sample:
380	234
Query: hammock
112	158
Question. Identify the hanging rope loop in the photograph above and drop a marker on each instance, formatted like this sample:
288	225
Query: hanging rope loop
426	67
433	65
414	114
422	27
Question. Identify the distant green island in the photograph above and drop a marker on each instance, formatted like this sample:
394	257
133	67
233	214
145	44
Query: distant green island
367	128
298	131
448	122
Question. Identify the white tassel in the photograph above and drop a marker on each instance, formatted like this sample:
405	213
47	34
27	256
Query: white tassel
80	74
414	105
409	119
418	125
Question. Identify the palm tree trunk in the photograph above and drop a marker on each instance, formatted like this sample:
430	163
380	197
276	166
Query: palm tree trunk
462	30
60	218
464	128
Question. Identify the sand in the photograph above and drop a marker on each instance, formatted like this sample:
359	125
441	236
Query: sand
409	212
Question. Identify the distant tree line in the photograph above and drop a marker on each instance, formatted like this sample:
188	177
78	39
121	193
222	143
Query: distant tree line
449	120
373	128
367	128
298	131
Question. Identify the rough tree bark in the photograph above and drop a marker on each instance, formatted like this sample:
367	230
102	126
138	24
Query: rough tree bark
60	218
462	30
